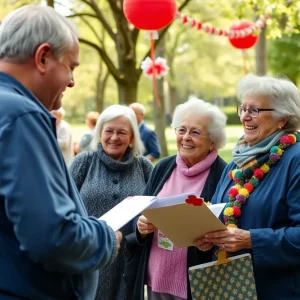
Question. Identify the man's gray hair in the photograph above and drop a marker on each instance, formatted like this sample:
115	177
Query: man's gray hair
283	93
216	127
115	111
26	28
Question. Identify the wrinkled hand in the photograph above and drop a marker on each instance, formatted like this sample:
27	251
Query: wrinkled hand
231	240
145	226
202	245
119	239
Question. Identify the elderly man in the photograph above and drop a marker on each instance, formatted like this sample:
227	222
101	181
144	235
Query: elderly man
49	247
148	136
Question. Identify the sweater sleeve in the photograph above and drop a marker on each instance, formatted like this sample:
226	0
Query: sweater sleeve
276	248
79	168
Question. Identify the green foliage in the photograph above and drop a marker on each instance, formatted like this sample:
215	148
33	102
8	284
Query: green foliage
284	56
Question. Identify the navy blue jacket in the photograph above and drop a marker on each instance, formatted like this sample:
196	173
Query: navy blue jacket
150	141
49	248
272	214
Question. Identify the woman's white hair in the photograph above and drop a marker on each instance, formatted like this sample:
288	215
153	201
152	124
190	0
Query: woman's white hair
283	94
115	111
216	127
26	28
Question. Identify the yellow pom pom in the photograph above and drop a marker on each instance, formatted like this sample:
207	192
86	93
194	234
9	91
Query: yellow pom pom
233	172
231	226
228	211
279	152
238	186
265	168
244	192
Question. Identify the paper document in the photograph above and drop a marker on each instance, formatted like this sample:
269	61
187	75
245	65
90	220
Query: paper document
184	223
126	210
179	221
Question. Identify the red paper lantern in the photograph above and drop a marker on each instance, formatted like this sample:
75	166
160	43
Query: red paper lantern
150	14
243	42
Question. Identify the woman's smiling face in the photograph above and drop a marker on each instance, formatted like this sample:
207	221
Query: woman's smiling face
194	149
256	129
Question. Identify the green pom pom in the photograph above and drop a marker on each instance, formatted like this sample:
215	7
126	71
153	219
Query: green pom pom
274	149
254	182
238	174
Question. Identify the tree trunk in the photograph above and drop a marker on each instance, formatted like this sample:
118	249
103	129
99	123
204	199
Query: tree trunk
261	53
101	84
127	92
159	113
50	3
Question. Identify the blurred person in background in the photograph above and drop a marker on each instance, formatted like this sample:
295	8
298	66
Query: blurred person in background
64	135
84	143
148	136
112	171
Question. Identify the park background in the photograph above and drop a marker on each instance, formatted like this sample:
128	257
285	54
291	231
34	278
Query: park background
201	64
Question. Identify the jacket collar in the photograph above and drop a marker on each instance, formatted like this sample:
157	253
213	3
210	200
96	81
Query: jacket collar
10	82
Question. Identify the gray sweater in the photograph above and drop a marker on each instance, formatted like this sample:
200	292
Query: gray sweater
103	182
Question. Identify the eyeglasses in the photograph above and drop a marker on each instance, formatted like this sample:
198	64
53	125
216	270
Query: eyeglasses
195	133
253	111
120	134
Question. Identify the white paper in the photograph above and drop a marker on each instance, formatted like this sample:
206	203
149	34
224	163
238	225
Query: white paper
216	209
168	201
126	210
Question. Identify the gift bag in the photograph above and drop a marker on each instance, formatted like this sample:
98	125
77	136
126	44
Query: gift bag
228	278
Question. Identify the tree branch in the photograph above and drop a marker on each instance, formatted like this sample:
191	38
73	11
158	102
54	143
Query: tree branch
82	15
100	17
122	25
110	65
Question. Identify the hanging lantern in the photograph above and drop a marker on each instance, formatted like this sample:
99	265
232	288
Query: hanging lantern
150	14
241	39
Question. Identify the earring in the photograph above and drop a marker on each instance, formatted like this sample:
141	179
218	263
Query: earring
130	145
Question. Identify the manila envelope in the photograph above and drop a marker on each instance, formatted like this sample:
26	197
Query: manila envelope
184	223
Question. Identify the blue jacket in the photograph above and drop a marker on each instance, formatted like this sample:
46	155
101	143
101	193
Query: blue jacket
150	141
272	214
49	248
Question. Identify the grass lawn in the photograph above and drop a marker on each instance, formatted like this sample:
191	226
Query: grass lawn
233	133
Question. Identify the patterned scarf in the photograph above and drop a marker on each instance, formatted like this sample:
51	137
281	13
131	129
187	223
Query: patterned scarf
249	158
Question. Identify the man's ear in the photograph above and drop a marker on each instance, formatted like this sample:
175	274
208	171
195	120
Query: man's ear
41	57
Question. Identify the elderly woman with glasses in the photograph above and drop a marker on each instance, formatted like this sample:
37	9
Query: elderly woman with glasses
200	130
261	187
114	170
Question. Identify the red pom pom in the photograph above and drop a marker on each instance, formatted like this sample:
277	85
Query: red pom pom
233	192
230	175
249	187
284	139
258	173
291	140
236	211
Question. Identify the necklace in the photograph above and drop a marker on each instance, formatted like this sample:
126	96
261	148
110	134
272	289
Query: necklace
240	192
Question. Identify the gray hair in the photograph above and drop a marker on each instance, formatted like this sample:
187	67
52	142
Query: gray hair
26	28
283	94
216	128
140	106
115	111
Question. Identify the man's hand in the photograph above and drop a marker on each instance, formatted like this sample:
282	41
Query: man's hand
119	239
